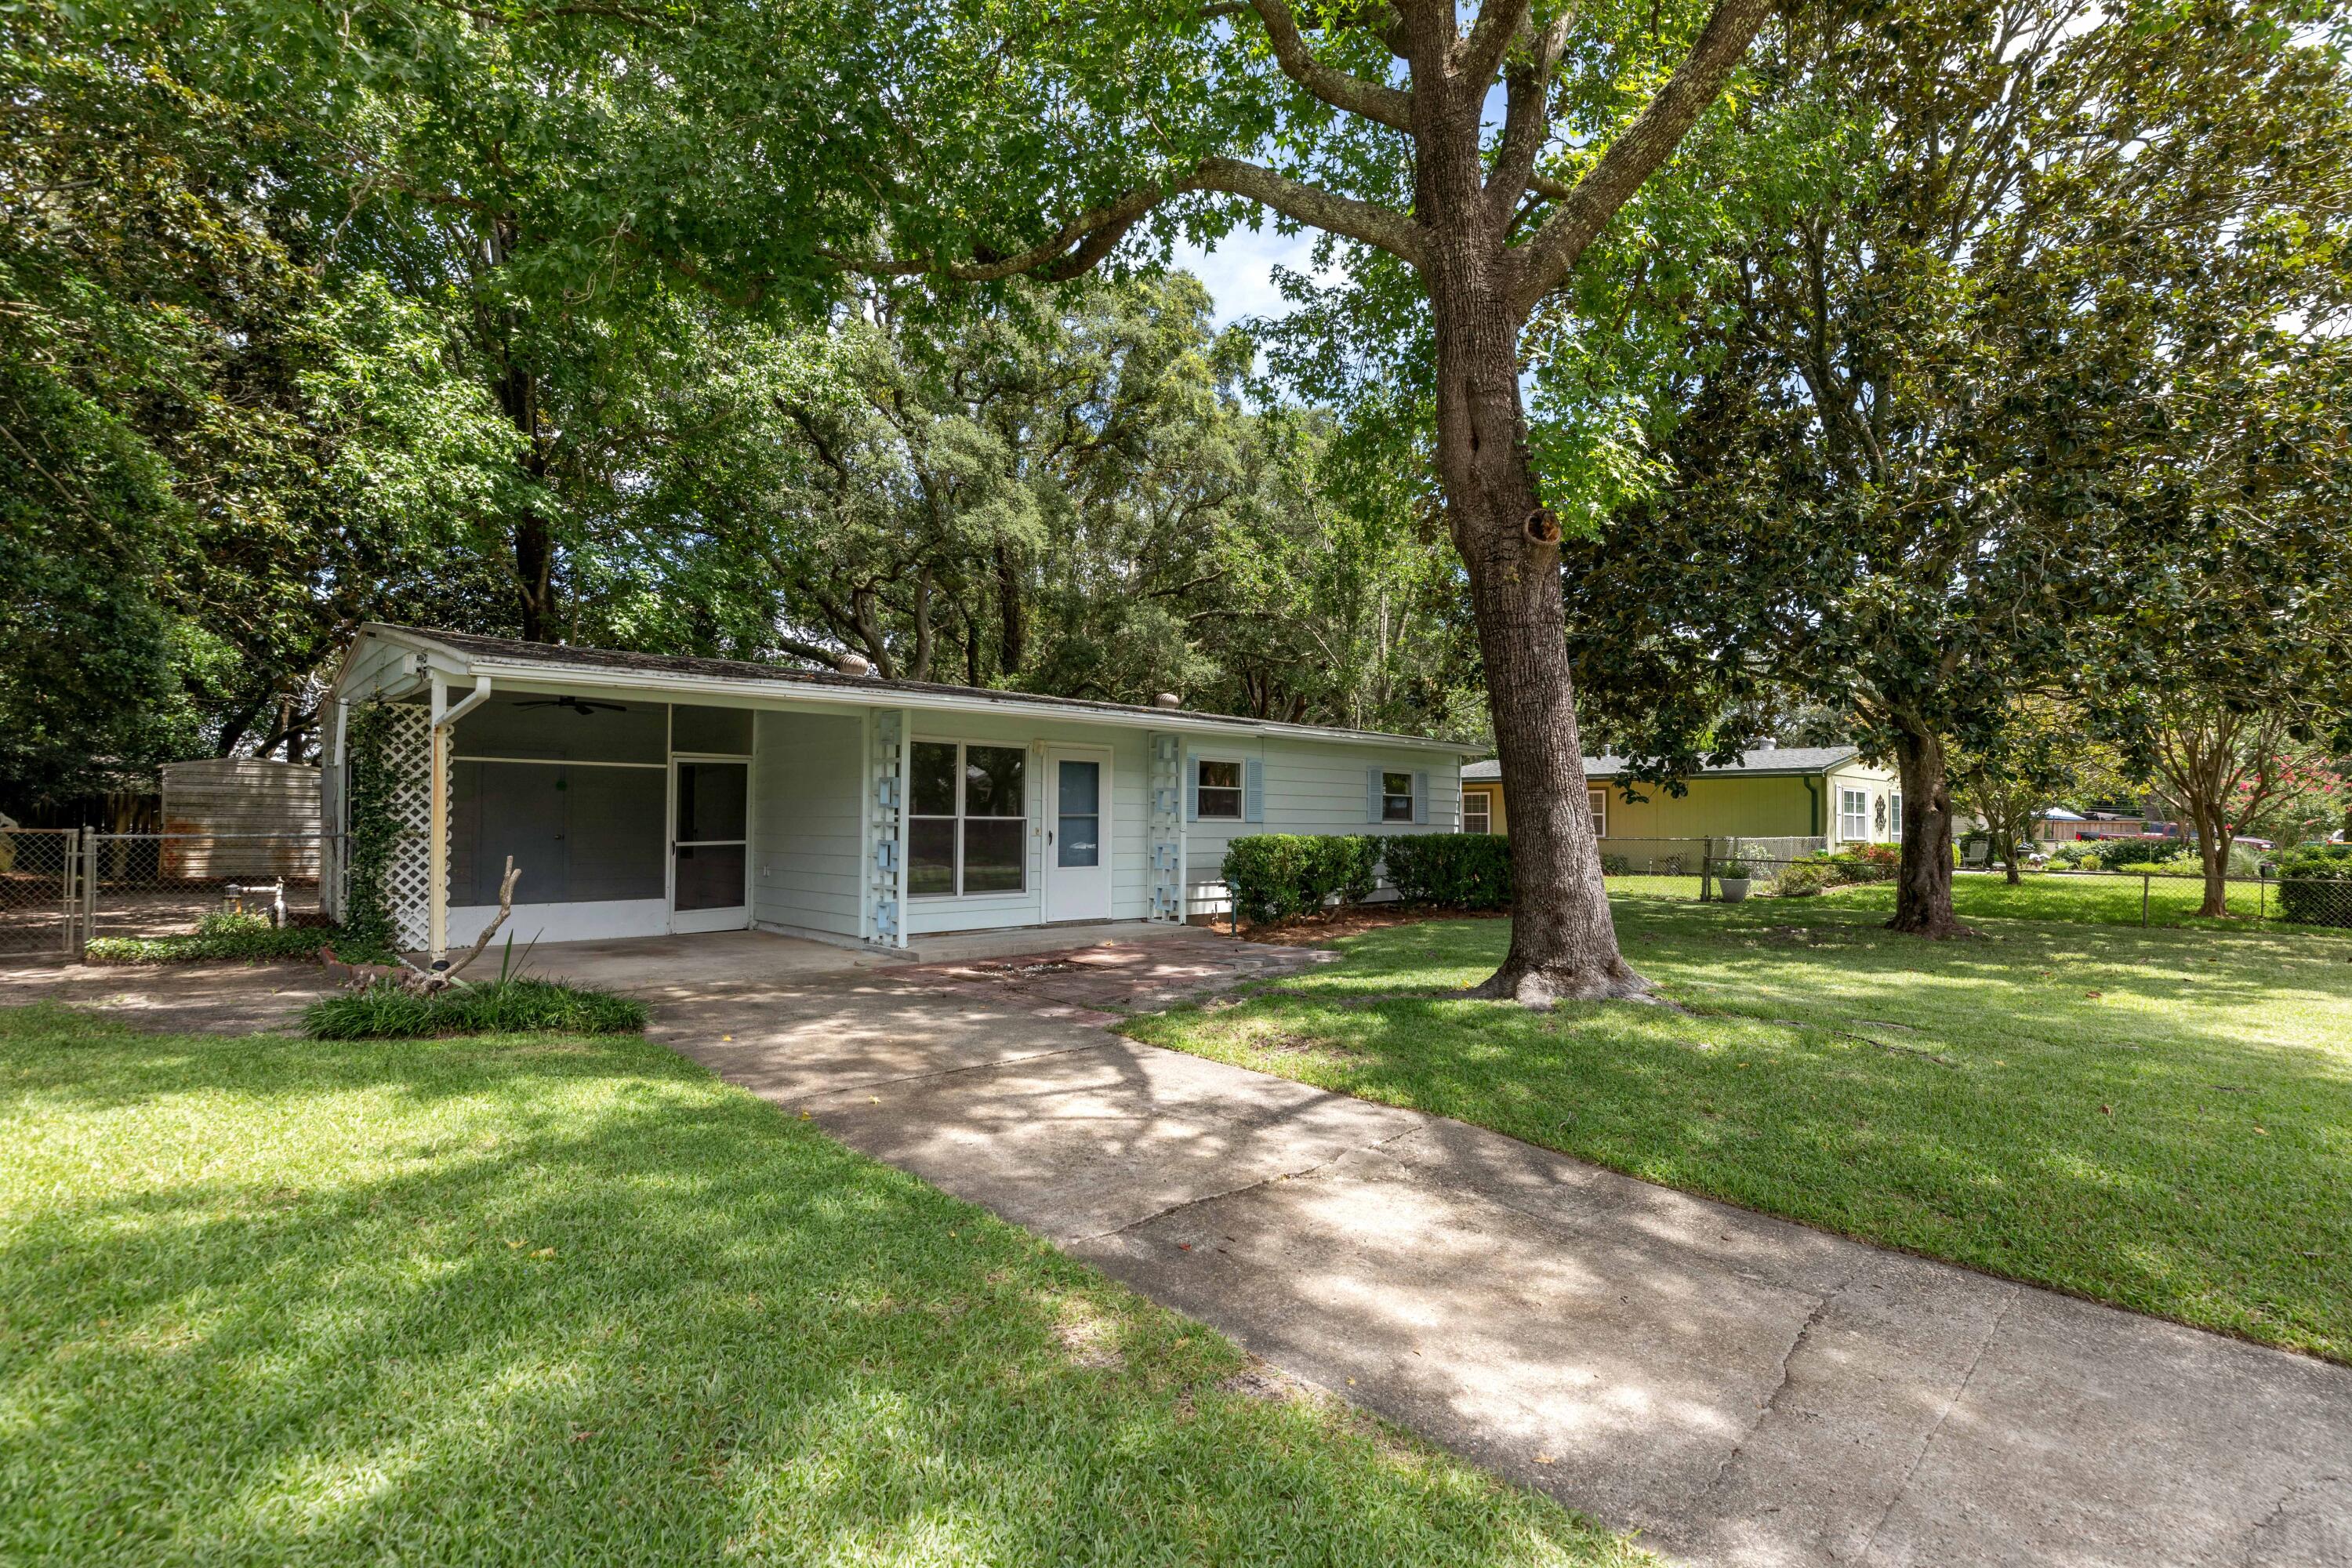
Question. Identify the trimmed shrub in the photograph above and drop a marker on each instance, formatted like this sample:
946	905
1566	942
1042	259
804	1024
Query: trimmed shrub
1616	866
2316	886
227	937
1274	876
2115	854
1803	878
1451	870
384	1012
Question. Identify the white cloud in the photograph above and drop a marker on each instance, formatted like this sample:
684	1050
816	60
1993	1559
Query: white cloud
1239	272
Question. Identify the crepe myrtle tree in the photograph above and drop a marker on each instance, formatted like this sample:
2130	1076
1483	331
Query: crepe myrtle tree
1377	124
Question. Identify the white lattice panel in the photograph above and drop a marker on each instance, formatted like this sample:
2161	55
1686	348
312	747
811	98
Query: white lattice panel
1167	828
885	784
408	753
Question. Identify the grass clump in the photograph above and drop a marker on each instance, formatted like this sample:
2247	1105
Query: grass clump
2158	1118
227	936
573	1300
384	1012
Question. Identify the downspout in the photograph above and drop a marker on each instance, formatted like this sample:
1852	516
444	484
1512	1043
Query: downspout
436	858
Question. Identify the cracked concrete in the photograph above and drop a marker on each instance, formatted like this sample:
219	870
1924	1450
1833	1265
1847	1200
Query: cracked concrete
1743	1391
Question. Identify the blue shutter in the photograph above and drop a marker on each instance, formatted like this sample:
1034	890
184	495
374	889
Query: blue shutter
1372	794
1253	790
1421	798
1191	789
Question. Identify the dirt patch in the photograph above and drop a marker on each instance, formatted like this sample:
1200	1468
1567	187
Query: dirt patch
1087	1340
1262	1380
1312	930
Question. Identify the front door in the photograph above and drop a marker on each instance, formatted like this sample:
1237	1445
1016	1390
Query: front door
1077	835
709	845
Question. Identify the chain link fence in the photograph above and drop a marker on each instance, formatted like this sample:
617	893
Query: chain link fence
39	891
1708	870
62	887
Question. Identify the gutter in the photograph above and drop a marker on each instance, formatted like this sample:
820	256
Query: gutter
1813	802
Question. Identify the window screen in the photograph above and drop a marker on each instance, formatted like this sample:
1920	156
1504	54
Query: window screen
577	834
723	730
1396	797
967	819
575	727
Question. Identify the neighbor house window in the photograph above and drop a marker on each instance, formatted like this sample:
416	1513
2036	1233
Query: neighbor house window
1477	811
1596	802
1396	797
1894	816
1854	815
968	819
1219	786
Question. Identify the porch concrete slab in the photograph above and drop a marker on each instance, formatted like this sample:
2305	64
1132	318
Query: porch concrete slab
952	947
1741	1390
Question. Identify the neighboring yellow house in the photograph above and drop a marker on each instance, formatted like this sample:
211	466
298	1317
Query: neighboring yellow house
1827	793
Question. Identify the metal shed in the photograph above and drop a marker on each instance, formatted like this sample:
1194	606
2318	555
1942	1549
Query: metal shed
240	817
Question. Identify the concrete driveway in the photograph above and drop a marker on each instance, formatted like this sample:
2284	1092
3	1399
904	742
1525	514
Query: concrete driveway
1741	1390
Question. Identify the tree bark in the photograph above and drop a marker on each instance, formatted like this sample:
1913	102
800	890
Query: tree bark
1923	886
1563	943
2213	840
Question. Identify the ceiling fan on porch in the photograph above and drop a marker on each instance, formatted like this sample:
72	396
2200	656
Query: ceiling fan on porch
576	704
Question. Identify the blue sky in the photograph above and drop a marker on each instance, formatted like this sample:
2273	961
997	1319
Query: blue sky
1240	272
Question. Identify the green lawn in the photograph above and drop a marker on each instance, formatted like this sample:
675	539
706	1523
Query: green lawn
539	1300
2160	1118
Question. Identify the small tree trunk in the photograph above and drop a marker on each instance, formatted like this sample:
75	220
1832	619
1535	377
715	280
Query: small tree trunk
2213	851
1923	888
1563	943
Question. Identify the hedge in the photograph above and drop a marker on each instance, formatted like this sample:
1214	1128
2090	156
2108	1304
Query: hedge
2315	887
383	1011
1451	870
1275	876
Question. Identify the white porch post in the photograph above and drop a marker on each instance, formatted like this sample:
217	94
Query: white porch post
436	853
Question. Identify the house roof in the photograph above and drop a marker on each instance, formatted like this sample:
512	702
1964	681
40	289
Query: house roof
467	655
1765	762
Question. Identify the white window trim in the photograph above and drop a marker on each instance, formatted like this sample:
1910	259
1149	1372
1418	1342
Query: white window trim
1027	819
1894	816
1859	813
1486	799
1596	801
1241	785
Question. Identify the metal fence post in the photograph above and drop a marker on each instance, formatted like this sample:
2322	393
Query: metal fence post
2261	892
2145	879
88	923
1705	868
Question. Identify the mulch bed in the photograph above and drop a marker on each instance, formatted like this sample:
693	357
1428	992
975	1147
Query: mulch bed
1313	930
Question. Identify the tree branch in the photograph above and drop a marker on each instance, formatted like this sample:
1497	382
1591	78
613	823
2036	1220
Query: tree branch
1392	107
1478	52
1311	205
1527	121
1649	142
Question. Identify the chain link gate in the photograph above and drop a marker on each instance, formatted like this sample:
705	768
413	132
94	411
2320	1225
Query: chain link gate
41	891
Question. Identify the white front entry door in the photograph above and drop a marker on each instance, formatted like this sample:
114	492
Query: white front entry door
1077	835
709	854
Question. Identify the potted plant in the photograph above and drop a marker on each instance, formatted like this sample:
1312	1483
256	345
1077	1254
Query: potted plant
1737	876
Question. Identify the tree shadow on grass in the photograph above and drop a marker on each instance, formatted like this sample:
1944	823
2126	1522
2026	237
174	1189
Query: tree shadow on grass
273	1300
2112	1114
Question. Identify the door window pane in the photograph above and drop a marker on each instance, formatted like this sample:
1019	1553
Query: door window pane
932	778
992	782
1077	835
930	855
711	800
993	854
710	875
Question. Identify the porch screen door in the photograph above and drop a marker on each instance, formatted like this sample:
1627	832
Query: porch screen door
710	847
1077	835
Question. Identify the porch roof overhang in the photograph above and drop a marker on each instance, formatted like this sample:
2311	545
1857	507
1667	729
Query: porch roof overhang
465	657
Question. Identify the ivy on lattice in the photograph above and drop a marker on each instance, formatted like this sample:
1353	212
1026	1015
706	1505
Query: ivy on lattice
375	830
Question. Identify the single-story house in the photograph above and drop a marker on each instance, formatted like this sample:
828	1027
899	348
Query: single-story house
641	795
1824	793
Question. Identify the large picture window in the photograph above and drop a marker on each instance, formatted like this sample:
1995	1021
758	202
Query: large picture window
968	819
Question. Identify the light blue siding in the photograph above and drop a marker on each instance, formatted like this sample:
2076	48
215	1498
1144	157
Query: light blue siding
806	790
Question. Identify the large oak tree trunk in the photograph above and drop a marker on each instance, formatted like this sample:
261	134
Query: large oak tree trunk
1563	944
1923	886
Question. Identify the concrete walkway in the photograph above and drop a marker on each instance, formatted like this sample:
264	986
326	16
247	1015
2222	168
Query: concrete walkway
1742	1391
